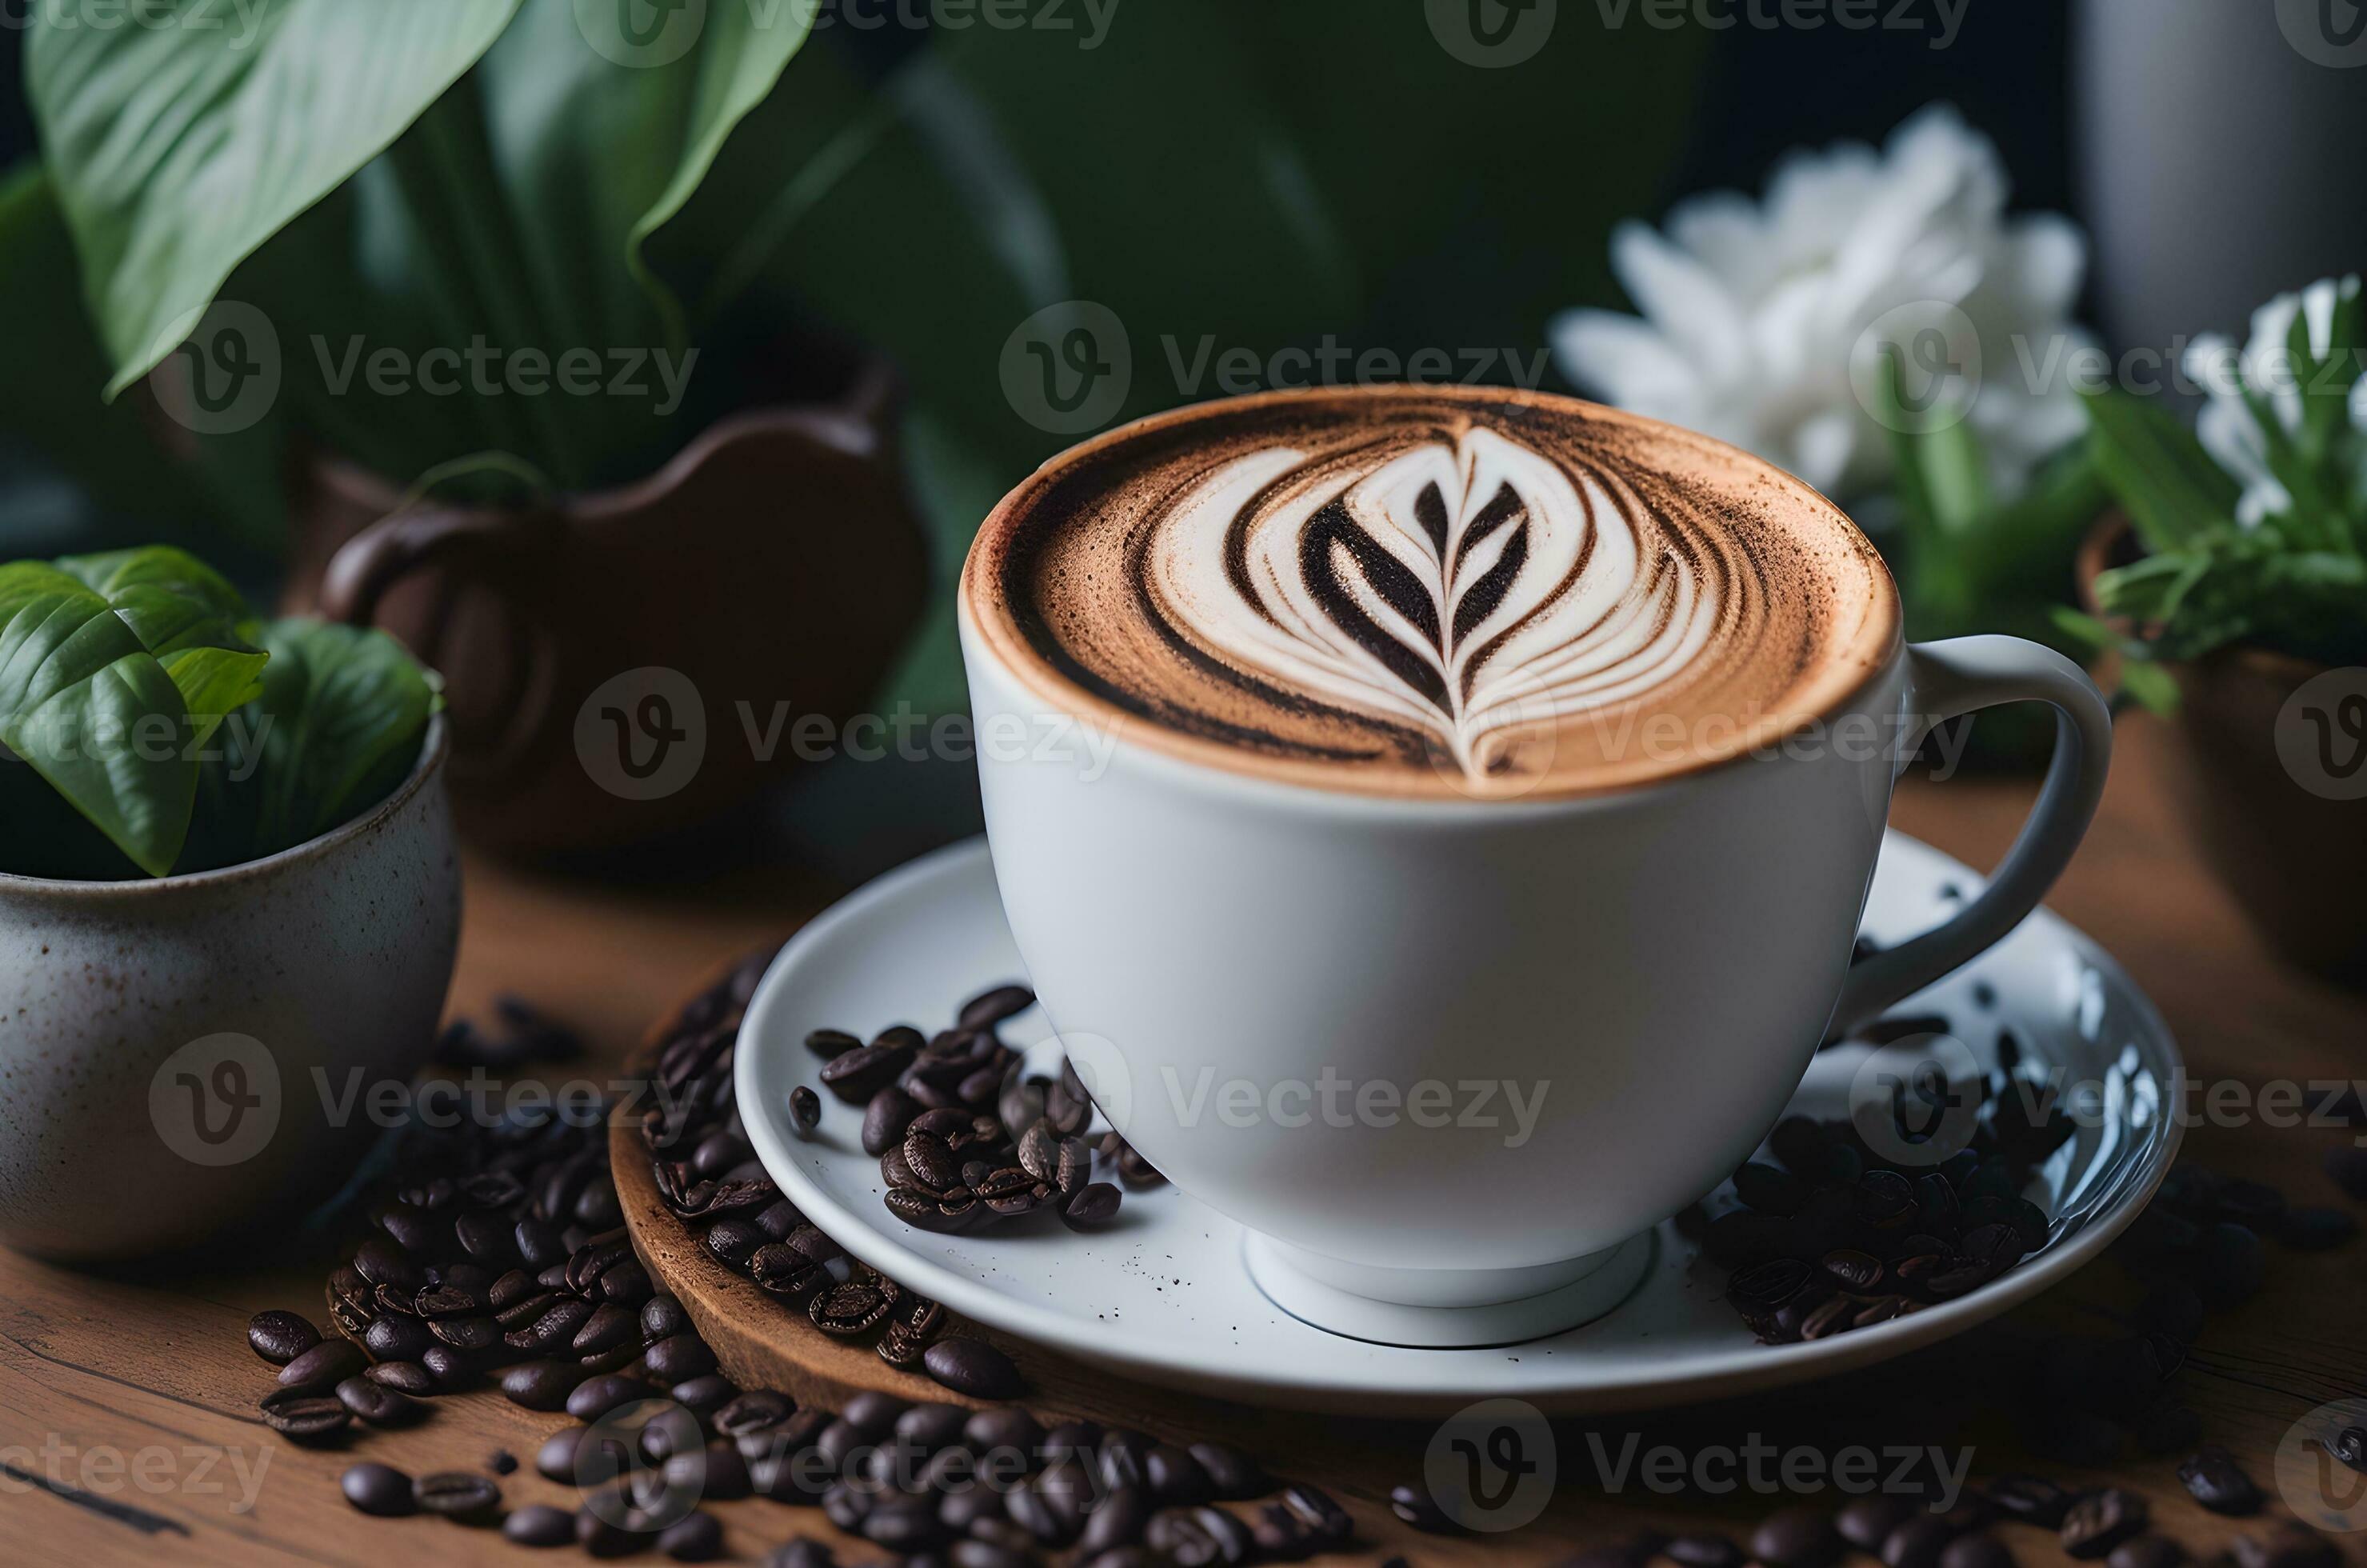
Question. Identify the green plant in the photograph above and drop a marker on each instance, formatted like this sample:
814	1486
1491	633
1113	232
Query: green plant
153	725
2280	563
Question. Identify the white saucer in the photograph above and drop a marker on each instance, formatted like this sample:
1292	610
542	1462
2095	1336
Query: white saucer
1165	1295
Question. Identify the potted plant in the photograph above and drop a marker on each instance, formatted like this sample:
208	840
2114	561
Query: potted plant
2234	590
227	878
401	257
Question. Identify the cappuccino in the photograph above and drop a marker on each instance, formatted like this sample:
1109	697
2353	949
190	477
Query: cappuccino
1427	591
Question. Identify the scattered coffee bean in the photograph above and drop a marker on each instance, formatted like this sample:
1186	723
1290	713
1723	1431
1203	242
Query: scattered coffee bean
2100	1520
2032	1499
975	1367
694	1538
1917	1540
378	1404
459	1495
280	1337
378	1489
805	1110
1703	1550
1414	1506
305	1417
2213	1479
321	1367
403	1377
1797	1537
538	1524
1233	1476
1978	1550
596	1397
1866	1522
1195	1537
2148	1552
682	1356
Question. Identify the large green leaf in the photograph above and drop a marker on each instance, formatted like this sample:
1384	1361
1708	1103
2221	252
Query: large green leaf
2174	491
336	728
94	712
182	144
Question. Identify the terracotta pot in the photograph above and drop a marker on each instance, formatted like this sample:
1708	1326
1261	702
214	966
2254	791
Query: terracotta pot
597	655
2294	860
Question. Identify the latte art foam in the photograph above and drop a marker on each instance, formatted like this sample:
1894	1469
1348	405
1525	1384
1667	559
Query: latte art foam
1424	592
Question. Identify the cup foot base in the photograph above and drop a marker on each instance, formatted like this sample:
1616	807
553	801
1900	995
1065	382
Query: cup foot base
1438	1309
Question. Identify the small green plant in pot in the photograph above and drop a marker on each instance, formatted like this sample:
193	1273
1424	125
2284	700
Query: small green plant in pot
229	895
153	726
2235	595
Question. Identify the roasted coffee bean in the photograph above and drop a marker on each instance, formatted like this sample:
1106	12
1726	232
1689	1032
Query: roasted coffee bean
681	1356
856	1307
2213	1479
1306	1520
805	1110
734	1241
558	1458
847	1507
830	1044
2148	1552
873	1415
1194	1537
321	1367
975	1367
1978	1550
1867	1522
1175	1478
1091	1206
1055	1517
704	1394
403	1377
554	1330
628	1284
1232	1475
596	1397
536	1243
609	1325
394	1338
378	1404
305	1417
600	1537
1415	1507
378	1489
2032	1499
1005	1427
472	1335
662	1318
1850	1270
903	1524
694	1538
856	1076
538	1524
280	1336
459	1495
931	1161
1119	1519
885	1116
541	1385
1917	1541
801	1552
2349	1447
1703	1550
2286	1545
989	1009
1797	1537
986	1554
2099	1521
383	1261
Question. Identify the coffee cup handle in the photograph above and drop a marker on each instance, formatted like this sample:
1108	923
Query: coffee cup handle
1962	676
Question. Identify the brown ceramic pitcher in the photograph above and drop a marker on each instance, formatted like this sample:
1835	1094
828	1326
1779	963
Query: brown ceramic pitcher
777	559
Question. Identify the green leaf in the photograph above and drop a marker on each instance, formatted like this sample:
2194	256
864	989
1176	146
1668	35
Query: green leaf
2159	471
181	144
190	617
2151	685
337	727
94	713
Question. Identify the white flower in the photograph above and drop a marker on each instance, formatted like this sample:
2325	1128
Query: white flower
2226	427
1753	311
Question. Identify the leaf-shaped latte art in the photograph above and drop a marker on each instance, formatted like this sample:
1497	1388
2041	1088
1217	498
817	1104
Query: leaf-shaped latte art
1462	585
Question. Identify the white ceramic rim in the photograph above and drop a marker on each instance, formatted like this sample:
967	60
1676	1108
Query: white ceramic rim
1572	1385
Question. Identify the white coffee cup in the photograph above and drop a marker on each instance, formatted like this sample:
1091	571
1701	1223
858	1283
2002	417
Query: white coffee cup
1286	998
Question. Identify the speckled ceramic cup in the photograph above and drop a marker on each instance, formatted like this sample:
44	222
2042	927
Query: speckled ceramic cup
194	1054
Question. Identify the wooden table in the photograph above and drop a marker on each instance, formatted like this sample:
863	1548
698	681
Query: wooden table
126	1402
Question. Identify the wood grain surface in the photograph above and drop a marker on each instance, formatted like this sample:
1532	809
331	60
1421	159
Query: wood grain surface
128	1431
